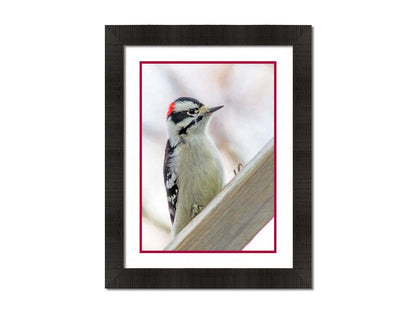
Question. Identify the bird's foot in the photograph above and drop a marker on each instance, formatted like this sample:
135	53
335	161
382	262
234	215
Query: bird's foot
240	165
195	210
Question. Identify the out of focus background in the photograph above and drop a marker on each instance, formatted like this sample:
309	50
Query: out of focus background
239	130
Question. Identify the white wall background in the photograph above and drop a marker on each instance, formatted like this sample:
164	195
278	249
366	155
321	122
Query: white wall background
52	154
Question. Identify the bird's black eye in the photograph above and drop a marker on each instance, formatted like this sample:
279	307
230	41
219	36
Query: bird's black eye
192	111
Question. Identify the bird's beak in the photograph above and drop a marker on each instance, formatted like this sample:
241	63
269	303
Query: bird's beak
209	110
213	109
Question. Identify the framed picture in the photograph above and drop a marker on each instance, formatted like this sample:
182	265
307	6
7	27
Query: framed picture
208	156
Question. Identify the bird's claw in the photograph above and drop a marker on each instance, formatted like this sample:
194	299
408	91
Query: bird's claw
195	210
240	165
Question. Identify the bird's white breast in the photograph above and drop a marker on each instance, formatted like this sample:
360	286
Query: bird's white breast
201	178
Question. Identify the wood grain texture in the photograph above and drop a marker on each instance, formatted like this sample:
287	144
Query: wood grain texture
237	213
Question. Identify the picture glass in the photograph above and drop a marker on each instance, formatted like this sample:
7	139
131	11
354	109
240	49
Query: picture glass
254	84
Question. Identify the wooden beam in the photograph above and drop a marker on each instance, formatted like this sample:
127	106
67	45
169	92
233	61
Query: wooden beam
237	213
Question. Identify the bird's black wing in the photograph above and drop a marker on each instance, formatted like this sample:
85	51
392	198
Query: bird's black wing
171	180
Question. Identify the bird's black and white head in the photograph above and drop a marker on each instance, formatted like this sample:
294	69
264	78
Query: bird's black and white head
187	118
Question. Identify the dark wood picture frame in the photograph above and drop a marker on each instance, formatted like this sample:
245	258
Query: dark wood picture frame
116	38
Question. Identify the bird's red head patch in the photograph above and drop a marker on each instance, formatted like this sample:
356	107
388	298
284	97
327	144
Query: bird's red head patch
171	108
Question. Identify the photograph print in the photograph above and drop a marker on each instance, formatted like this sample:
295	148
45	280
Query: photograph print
201	124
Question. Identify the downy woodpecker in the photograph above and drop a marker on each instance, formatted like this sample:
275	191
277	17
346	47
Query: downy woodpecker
193	170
